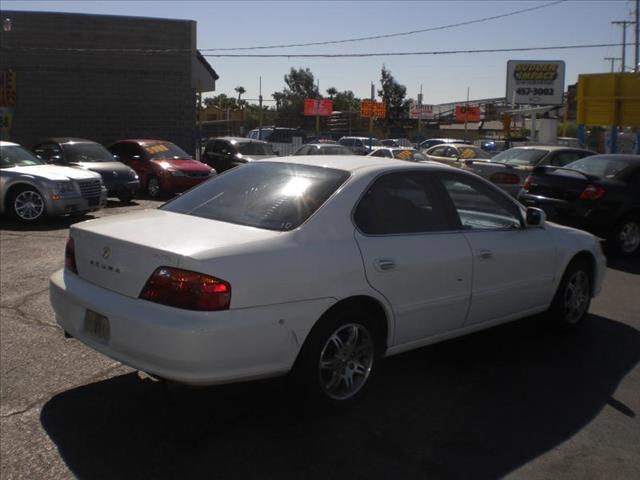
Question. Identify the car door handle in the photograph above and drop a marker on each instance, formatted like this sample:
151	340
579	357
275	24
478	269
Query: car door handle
383	264
485	255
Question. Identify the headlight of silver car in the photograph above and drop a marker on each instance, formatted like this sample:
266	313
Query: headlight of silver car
64	187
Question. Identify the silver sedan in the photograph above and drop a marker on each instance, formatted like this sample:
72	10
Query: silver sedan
31	189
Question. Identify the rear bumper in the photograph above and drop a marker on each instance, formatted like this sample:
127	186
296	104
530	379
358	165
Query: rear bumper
199	348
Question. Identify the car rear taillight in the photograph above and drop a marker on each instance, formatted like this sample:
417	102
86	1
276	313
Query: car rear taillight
185	289
70	256
505	178
526	184
592	192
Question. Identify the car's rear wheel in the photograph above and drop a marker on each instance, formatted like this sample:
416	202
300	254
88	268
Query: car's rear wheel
27	205
340	357
626	236
571	302
153	187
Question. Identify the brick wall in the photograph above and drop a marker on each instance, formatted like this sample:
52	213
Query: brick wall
103	96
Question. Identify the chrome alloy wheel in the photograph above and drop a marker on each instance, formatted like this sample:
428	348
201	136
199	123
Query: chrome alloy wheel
28	205
346	360
629	237
576	296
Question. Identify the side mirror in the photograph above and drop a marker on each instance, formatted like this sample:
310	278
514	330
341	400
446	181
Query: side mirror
136	157
535	217
116	157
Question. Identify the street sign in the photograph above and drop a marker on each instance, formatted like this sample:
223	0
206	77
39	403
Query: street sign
535	82
371	109
467	113
320	108
422	112
609	99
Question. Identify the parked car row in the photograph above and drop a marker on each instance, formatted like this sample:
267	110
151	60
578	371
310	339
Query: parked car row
69	176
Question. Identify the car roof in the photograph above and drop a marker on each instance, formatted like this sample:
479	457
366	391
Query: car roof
550	148
238	139
353	163
63	140
321	145
8	144
142	140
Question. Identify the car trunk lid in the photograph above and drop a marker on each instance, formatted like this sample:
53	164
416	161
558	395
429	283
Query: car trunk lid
558	183
121	252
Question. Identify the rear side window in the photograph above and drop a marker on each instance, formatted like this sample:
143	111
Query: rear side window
400	203
269	195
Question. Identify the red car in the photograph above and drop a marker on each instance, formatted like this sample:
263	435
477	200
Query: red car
162	166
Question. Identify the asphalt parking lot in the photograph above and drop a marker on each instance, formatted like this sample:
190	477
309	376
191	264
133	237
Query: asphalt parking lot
518	400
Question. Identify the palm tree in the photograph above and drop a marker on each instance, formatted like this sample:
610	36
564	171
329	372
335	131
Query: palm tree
332	91
240	89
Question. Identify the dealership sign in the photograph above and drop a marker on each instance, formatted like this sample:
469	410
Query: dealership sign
422	112
467	113
372	109
535	82
320	108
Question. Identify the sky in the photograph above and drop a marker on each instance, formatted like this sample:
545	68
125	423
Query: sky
444	78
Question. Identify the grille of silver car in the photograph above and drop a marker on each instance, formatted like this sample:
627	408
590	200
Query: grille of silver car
90	188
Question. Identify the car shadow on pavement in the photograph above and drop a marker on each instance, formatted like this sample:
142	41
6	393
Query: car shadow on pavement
47	224
475	407
624	264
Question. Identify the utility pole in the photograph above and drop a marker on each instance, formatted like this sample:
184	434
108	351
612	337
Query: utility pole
317	112
420	110
612	60
373	99
466	115
260	112
636	64
624	24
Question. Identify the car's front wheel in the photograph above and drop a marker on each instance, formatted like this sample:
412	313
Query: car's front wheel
340	357
153	187
27	205
626	236
571	302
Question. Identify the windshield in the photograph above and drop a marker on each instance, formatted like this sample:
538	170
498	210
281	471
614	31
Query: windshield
87	152
269	195
17	156
528	157
601	166
254	148
374	142
165	151
410	155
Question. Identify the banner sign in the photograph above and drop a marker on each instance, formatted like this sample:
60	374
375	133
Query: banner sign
422	112
320	108
470	113
535	82
7	88
373	109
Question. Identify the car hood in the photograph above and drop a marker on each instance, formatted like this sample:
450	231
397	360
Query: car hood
101	167
54	172
189	165
251	158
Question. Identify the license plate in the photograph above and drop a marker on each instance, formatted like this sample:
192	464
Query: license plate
97	326
94	201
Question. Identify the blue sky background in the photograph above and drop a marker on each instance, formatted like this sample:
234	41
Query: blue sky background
444	78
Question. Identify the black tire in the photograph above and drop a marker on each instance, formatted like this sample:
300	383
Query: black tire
573	297
16	205
153	187
625	238
125	197
359	362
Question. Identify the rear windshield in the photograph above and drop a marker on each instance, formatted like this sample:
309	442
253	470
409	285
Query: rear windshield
87	152
410	155
269	195
601	166
528	157
472	152
17	156
165	151
254	148
330	150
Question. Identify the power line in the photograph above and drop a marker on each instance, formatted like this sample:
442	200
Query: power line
389	35
397	54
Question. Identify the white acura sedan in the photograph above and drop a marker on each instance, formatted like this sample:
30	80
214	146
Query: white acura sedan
319	266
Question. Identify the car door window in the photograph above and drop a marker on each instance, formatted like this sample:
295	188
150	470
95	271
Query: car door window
451	152
211	147
401	203
560	159
479	207
438	152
